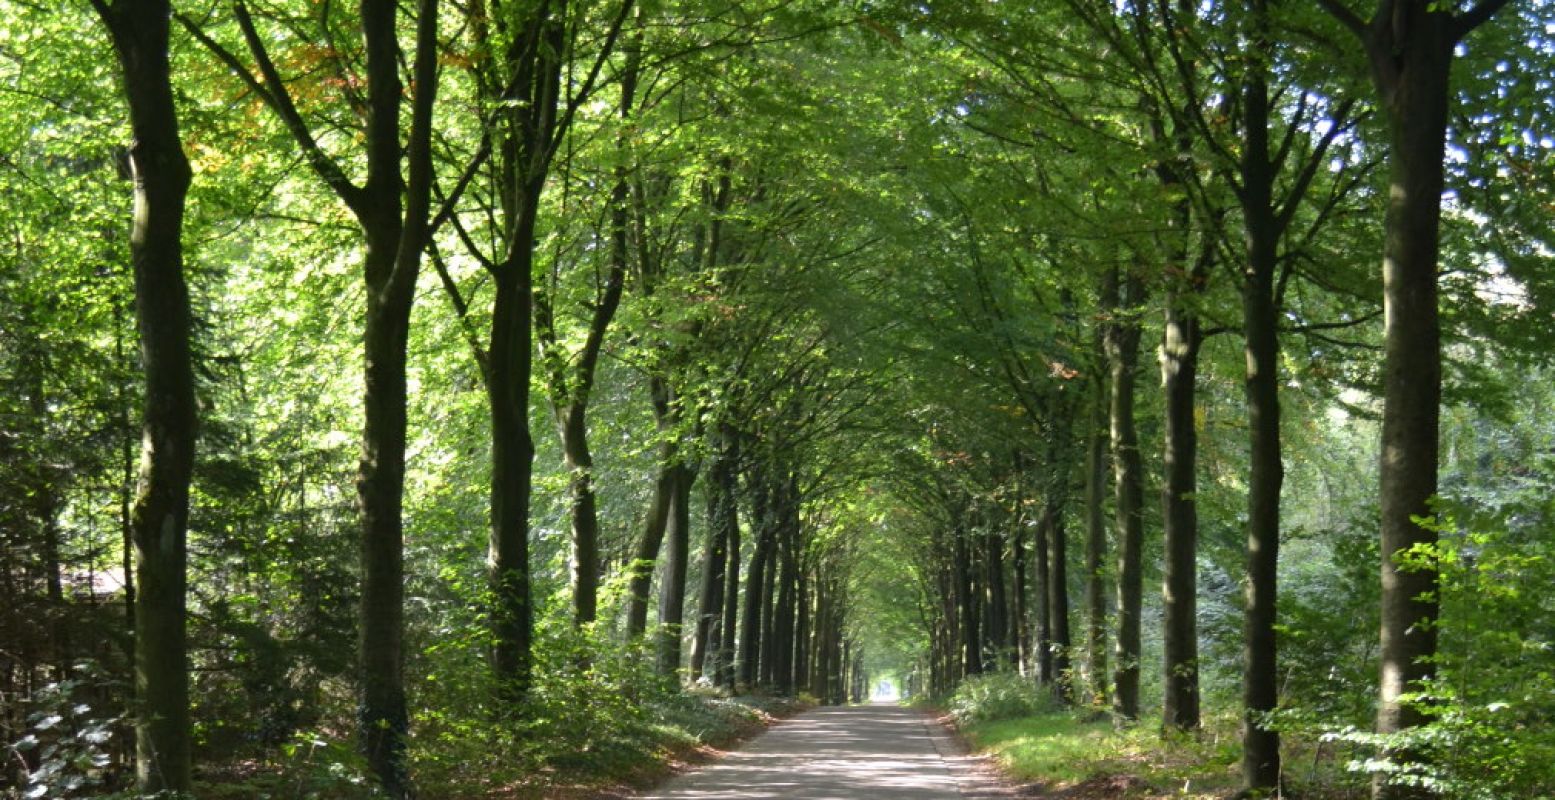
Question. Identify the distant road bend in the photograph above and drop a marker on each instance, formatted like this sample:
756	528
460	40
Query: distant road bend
839	753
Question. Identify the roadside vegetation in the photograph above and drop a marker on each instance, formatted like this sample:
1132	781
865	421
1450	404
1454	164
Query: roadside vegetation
459	398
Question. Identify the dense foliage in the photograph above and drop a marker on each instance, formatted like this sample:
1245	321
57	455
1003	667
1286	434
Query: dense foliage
572	379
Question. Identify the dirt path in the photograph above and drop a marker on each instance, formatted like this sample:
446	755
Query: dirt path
850	753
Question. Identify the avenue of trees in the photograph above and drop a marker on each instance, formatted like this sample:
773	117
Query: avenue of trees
430	398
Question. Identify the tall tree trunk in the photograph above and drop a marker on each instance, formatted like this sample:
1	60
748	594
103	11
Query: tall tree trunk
393	210
583	505
816	682
396	231
1260	321
1044	612
785	608
706	638
571	388
1416	101
1410	45
1411	48
160	517
1057	584
1020	613
997	625
1096	463
642	566
731	528
672	597
971	637
802	629
1128	486
512	455
1179	512
950	620
755	580
385	719
769	596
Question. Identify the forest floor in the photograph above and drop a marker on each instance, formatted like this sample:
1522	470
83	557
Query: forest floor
1061	755
675	756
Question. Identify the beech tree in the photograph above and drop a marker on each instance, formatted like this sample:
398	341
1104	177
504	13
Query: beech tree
838	314
1410	47
393	208
160	517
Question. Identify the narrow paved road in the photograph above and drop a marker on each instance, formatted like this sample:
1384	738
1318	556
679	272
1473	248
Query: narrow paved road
851	753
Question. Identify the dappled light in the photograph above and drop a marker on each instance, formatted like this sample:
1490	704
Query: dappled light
832	754
516	399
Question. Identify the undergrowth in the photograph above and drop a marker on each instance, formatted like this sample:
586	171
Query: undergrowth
1082	753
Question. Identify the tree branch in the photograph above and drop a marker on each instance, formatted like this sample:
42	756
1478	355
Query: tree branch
1475	17
1346	17
1298	190
275	95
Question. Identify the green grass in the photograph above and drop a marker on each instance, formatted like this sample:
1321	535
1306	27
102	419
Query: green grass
1050	748
1059	749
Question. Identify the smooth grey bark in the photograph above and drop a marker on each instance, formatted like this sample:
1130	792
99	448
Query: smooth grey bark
1096	463
1260	320
525	132
997	598
769	595
1045	664
1410	45
159	519
1181	340
1057	585
707	636
1179	501
971	638
803	622
393	209
1020	610
1128	487
672	595
785	611
729	522
641	568
755	580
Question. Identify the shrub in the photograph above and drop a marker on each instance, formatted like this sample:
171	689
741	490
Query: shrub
996	696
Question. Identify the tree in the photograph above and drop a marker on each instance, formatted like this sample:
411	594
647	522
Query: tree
393	210
160	518
1410	45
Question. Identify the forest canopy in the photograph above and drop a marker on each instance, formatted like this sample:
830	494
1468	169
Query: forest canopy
470	399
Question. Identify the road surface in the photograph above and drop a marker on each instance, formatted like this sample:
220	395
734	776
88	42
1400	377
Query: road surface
873	752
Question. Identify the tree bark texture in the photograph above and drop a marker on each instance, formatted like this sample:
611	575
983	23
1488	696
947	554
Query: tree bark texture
1179	503
642	566
672	597
160	515
730	524
1042	546
971	637
1096	463
393	210
1411	54
1057	585
1020	611
755	580
509	365
996	597
1260	690
1128	487
706	639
